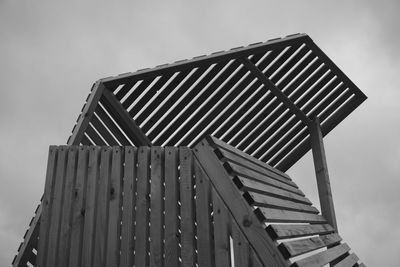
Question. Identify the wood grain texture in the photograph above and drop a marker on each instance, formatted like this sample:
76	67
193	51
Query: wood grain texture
114	214
281	231
142	208
171	233
297	247
90	206
324	257
129	203
205	246
279	215
157	206
349	261
241	248
187	207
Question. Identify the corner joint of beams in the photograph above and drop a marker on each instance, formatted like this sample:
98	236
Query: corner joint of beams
274	90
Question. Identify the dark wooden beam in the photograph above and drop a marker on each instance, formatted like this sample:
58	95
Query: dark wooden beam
86	115
278	93
124	120
321	172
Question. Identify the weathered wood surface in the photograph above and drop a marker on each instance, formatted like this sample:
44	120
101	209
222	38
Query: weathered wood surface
324	257
284	231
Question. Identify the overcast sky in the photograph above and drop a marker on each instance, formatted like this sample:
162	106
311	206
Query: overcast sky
51	53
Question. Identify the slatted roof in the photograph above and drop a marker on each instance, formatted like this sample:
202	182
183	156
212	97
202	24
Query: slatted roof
258	98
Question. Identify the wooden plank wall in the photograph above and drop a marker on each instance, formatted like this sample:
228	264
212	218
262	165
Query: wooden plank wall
302	236
125	206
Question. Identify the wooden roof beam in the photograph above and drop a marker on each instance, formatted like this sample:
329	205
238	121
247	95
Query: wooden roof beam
278	93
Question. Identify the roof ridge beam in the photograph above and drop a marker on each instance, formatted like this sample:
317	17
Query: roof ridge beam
278	93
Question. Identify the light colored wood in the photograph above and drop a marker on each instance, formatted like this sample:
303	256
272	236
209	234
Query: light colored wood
171	234
114	214
66	212
240	211
187	207
156	206
100	243
235	169
256	199
78	207
284	231
349	261
221	231
297	247
57	197
241	248
322	175
246	184
324	257
205	246
45	214
90	206
128	214
142	208
277	215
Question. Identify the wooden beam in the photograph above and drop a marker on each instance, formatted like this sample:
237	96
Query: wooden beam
321	171
241	212
278	93
124	120
86	115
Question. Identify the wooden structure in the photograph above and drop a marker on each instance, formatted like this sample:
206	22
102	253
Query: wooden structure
266	105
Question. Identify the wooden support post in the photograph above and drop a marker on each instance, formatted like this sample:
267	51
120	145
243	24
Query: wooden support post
321	171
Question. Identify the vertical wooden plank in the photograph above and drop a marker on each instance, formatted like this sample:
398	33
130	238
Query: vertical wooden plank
142	209
90	207
171	207
65	226
156	207
100	244
114	216
221	231
321	171
254	260
54	230
47	205
241	248
128	214
187	207
78	208
205	245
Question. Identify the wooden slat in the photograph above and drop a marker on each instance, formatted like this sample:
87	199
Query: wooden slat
90	207
277	215
205	246
323	258
136	92
56	206
245	184
87	113
240	211
142	208
66	212
128	214
297	247
78	207
46	207
235	169
127	124
349	261
156	206
114	214
102	212
256	199
171	233
241	248
221	231
284	231
187	207
103	131
94	136
237	156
